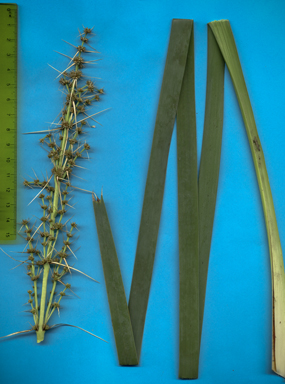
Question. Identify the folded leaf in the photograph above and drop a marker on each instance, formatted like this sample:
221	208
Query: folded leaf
189	342
210	160
149	226
115	288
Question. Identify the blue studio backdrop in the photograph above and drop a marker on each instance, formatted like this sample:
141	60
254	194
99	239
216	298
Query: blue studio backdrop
132	38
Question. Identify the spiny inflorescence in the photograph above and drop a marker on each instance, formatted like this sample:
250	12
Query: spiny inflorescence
49	243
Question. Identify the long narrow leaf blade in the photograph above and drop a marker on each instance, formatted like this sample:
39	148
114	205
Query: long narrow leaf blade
225	39
210	160
189	341
149	226
115	289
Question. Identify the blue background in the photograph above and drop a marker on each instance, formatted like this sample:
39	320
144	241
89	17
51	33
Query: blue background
133	38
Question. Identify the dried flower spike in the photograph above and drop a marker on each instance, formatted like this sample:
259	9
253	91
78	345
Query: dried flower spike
65	149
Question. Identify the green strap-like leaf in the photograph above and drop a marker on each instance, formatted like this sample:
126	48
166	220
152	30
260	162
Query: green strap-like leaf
225	39
149	226
188	224
115	288
210	160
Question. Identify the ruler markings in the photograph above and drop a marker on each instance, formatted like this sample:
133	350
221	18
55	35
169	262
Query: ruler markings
8	121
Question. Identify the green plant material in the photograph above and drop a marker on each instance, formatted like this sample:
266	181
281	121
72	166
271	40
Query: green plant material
115	288
189	341
49	242
149	226
210	160
225	39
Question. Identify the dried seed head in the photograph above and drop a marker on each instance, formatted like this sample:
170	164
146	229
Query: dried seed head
87	31
58	171
31	250
91	88
56	226
86	146
81	48
68	153
78	60
78	130
30	292
75	74
71	163
72	141
80	109
66	125
63	81
68	169
44	234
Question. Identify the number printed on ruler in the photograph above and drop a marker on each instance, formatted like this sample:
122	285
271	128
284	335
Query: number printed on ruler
8	121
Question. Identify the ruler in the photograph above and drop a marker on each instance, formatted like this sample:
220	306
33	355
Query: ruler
8	121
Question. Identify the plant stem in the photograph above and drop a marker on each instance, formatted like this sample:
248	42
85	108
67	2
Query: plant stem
41	331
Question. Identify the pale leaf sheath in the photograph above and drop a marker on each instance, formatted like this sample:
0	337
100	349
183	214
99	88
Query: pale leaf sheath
225	39
149	226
